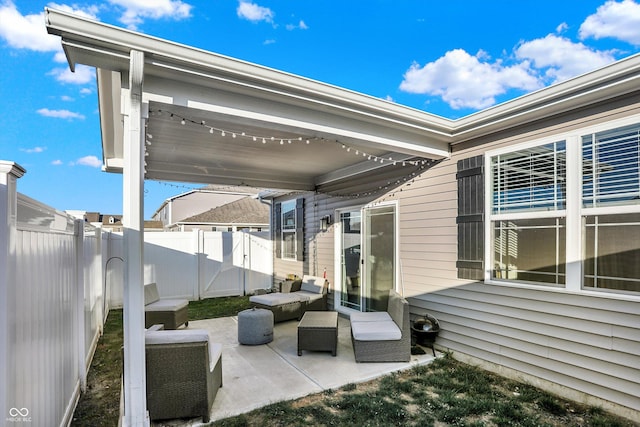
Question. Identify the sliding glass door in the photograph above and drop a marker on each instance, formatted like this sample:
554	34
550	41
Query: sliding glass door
350	250
367	246
379	256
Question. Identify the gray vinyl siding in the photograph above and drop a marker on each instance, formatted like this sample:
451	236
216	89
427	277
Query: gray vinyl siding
319	246
583	346
589	344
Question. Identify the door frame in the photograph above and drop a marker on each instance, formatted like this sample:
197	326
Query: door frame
337	280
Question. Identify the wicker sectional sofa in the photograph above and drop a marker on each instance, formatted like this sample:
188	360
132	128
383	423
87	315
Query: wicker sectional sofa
311	296
383	336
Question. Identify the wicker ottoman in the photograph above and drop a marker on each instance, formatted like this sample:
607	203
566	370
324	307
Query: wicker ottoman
255	326
318	331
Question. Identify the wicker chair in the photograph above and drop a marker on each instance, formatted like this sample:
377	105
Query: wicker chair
383	336
184	373
168	312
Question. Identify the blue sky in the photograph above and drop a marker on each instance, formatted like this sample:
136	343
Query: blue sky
449	58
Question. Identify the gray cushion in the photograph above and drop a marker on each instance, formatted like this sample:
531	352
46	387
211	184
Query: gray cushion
374	316
175	337
376	331
166	305
306	296
151	293
312	284
275	299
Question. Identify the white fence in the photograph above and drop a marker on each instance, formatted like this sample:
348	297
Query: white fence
55	313
197	264
58	278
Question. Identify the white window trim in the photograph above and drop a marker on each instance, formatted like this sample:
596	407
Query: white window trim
573	212
282	231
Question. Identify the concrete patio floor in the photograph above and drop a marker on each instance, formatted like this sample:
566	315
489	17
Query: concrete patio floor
255	376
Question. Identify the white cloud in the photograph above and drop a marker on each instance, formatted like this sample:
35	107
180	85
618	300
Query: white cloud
560	58
82	75
254	13
56	162
33	150
466	81
90	12
619	20
299	26
92	161
25	32
86	91
135	11
268	42
562	28
60	114
66	98
28	31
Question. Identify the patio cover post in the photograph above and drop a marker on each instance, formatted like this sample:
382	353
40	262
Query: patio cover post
9	174
135	399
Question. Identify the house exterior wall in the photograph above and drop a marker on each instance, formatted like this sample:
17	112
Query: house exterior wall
584	346
192	204
580	345
319	245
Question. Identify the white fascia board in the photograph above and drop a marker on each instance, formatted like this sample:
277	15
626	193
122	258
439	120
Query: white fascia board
116	42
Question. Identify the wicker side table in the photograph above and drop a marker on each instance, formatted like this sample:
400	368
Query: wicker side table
318	331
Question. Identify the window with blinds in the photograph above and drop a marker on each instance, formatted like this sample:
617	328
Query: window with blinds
530	180
611	167
529	221
526	248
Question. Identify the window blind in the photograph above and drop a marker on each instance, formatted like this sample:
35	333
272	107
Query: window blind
530	179
610	168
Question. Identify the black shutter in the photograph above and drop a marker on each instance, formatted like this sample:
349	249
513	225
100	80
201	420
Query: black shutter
300	229
470	218
277	234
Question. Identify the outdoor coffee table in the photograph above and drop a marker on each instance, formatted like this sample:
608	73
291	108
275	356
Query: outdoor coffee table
318	330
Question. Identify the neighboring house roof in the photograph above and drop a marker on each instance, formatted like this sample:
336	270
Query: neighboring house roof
244	211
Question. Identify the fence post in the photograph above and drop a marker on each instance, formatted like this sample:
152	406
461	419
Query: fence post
80	303
198	244
9	174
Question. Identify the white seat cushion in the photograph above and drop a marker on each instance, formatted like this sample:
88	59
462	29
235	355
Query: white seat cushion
176	337
374	316
271	300
166	305
375	331
308	296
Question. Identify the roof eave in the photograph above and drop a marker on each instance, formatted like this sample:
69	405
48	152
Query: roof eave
617	79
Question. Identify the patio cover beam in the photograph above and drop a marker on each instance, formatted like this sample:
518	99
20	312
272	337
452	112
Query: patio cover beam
135	398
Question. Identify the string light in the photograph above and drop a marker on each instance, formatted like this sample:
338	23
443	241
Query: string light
265	139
